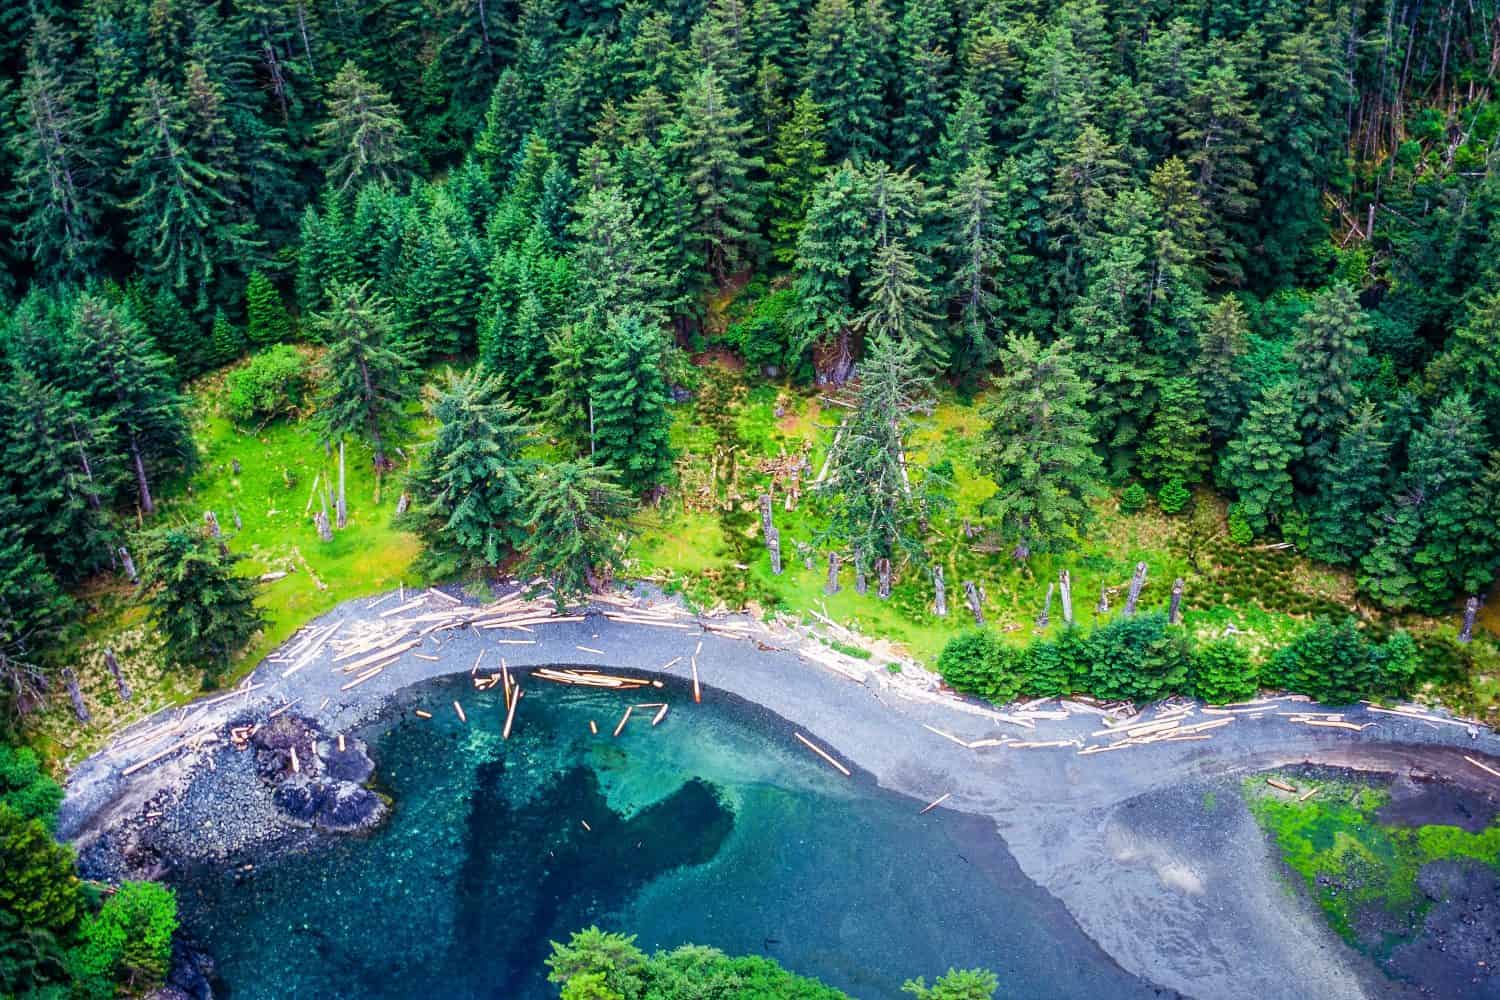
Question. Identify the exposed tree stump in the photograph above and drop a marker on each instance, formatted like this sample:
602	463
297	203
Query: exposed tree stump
234	466
976	603
129	565
861	585
939	593
805	551
341	508
325	530
1045	618
1174	610
832	586
75	695
1065	589
771	535
1102	608
403	503
212	520
238	524
883	572
114	671
1471	612
1136	583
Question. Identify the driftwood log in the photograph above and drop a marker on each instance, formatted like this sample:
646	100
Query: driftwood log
1471	612
75	694
772	536
1065	590
113	665
976	603
832	586
1174	610
1137	581
939	593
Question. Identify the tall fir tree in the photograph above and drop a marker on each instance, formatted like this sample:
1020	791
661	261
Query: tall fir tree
364	138
34	612
1039	448
1218	367
1351	489
1328	349
266	318
628	398
367	383
1257	465
898	309
202	607
714	145
798	161
575	540
845	75
1175	448
974	249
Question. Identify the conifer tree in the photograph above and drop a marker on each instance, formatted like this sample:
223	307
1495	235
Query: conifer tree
576	542
267	320
833	241
617	268
367	383
1220	137
1218	366
364	138
726	199
33	613
798	161
228	339
202	607
898	306
875	506
119	374
628	397
470	482
1350	490
1328	348
974	250
844	74
1257	464
1039	449
924	69
1471	359
1175	446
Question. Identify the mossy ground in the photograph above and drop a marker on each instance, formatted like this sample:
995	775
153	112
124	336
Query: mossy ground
1361	871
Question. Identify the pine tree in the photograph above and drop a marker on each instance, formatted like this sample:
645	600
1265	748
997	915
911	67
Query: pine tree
573	515
364	138
1175	448
1328	349
834	240
571	353
628	397
1471	359
267	321
1218	366
797	163
898	306
228	339
367	383
974	250
1220	137
34	612
618	269
118	374
1257	464
1350	490
1039	449
1446	462
924	69
726	200
470	482
874	505
201	606
844	74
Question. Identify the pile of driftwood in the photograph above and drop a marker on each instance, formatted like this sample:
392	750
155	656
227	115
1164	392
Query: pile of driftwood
593	678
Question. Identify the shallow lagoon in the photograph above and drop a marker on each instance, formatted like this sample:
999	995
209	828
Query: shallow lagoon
714	827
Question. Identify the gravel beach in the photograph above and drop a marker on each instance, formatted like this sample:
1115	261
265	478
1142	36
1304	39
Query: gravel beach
1192	901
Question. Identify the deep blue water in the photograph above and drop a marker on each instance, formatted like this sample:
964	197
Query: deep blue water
715	828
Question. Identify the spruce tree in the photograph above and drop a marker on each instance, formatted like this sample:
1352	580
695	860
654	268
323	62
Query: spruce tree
798	160
228	339
1328	349
470	482
1175	447
1350	490
575	541
898	296
1039	448
34	611
1471	359
364	138
835	235
1257	464
726	199
267	320
845	76
202	607
367	384
628	397
617	267
975	255
924	71
1218	368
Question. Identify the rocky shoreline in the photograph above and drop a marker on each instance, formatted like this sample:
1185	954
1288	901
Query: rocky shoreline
1197	910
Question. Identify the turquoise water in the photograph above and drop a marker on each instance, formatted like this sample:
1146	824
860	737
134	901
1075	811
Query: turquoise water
715	827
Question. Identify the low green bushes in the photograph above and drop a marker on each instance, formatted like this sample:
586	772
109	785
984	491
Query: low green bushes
1143	658
272	385
766	335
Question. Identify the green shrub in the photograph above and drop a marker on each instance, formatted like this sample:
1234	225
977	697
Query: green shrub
1140	658
1173	497
272	385
38	890
127	944
978	662
1133	499
1222	672
1338	664
1240	532
765	336
26	788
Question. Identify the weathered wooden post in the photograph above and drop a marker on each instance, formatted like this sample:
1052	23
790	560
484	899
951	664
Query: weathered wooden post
883	572
234	466
1471	612
129	565
1174	611
325	530
1102	608
75	694
806	552
341	509
212	520
772	536
861	585
1136	583
832	586
1045	618
1065	589
114	670
976	605
238	524
402	503
939	593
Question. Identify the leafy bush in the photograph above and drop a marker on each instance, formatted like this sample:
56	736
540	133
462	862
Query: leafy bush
1222	672
26	788
1173	497
1133	499
765	336
128	943
38	889
1140	658
1240	532
272	385
1338	664
957	984
978	662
